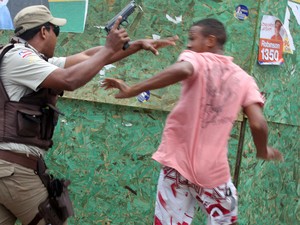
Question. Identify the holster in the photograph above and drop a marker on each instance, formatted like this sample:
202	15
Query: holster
56	210
57	207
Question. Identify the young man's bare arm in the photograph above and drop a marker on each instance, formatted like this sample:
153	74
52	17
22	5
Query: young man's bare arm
171	75
259	131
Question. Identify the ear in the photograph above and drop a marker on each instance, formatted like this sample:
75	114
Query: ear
43	32
211	41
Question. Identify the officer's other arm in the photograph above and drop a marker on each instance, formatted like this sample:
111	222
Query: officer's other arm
135	46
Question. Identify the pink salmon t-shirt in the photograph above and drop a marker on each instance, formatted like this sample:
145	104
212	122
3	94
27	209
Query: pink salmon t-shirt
196	133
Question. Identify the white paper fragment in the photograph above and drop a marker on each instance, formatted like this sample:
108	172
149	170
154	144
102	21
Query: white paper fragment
127	124
102	72
100	27
109	66
296	10
287	29
155	37
176	20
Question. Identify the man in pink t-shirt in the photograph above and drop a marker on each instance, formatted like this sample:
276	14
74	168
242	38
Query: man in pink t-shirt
193	150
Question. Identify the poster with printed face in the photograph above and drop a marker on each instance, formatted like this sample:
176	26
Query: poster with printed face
6	22
273	41
75	15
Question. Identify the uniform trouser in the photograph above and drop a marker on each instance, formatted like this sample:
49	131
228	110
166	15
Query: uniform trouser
21	192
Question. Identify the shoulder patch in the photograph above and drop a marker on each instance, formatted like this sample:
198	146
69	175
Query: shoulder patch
25	53
28	55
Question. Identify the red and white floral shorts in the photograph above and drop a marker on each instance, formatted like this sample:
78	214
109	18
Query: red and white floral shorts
177	200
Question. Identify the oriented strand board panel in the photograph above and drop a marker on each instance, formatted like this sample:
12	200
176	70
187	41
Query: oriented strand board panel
105	149
153	21
278	82
106	152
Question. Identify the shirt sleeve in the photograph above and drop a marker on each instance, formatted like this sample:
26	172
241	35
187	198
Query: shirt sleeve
191	57
28	69
253	94
58	61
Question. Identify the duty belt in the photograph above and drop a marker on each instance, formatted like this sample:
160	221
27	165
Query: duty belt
29	161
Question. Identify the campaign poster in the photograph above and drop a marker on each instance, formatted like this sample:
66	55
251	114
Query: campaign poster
5	16
75	11
273	41
75	14
9	9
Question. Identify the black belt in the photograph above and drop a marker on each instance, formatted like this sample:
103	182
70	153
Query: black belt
21	159
32	162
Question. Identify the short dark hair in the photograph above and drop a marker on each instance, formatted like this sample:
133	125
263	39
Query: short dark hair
29	34
214	27
278	21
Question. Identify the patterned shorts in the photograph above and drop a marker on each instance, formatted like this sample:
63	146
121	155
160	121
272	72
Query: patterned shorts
177	200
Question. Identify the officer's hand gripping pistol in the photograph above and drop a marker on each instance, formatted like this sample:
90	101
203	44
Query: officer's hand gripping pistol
125	13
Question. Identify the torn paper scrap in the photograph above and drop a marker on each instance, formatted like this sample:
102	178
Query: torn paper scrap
155	37
176	20
296	10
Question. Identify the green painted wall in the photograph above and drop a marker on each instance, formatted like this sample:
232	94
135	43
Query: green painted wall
105	145
114	178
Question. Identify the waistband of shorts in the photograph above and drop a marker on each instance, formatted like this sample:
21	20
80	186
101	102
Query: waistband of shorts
28	161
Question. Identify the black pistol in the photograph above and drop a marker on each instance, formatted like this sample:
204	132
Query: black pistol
125	13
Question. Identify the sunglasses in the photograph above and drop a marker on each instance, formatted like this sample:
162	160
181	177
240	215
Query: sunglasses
56	29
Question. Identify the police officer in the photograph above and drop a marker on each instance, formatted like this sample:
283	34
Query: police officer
31	80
